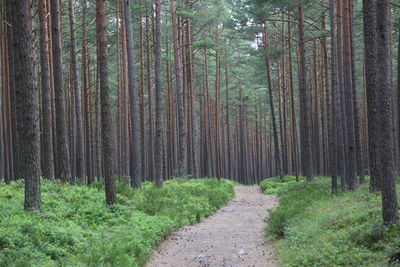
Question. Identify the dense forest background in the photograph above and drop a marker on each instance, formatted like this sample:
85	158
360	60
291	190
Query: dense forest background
241	89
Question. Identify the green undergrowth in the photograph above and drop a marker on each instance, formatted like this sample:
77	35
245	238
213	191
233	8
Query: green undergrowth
314	228
75	228
273	186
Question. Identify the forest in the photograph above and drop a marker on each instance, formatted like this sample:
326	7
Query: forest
188	132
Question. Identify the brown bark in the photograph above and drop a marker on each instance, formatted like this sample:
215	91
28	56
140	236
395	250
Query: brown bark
278	160
80	148
386	160
135	159
63	170
369	15
106	119
47	131
158	88
348	93
28	95
305	137
179	92
292	107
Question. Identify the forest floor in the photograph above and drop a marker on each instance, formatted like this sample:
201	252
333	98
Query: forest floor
232	237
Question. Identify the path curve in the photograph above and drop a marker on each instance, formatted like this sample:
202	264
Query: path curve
233	237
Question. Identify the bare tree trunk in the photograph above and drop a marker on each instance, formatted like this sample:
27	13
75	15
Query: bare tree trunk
348	93
47	133
384	92
28	96
158	86
80	148
334	113
305	137
106	119
179	90
63	171
135	159
292	107
11	78
369	9
272	108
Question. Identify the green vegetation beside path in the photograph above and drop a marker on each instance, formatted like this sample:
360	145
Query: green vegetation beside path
314	228
75	228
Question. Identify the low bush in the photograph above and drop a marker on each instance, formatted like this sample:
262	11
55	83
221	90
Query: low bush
274	186
75	228
314	228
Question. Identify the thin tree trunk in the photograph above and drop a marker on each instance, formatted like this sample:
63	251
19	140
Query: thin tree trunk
63	171
13	97
47	132
179	90
80	148
348	93
135	159
272	108
334	113
158	86
292	107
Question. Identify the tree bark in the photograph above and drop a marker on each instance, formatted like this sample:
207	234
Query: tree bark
305	137
106	118
80	148
278	159
47	132
28	95
369	16
348	93
135	159
158	87
384	92
63	171
179	92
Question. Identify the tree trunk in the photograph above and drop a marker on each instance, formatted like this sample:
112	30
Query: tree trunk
135	159
369	15
272	108
158	86
292	108
179	92
11	78
63	171
348	93
80	148
106	118
47	132
305	137
384	95
28	95
334	113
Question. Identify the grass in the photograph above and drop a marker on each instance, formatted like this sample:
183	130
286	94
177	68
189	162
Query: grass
314	228
75	228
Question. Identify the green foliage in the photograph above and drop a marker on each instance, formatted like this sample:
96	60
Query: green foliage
77	229
294	200
318	229
274	186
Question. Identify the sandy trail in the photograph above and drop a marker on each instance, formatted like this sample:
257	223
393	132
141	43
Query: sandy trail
232	237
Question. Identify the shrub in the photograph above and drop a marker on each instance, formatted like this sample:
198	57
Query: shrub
274	186
318	229
75	227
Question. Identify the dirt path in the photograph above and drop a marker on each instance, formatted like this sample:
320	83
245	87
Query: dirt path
232	237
